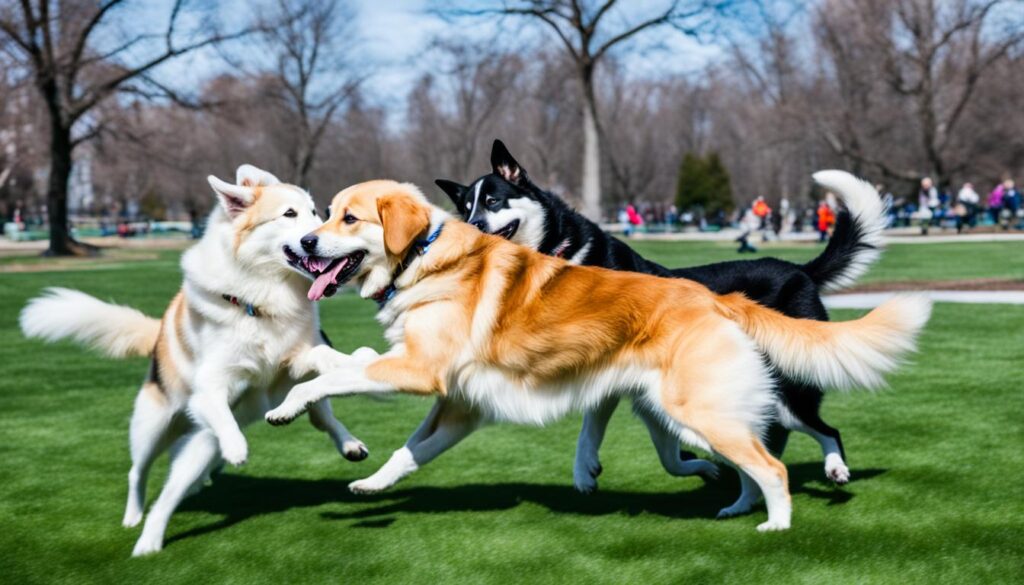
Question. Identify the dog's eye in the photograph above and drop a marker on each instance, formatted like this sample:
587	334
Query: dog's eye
291	213
313	211
490	201
350	219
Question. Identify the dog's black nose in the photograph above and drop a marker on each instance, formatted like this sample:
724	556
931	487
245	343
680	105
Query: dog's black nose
308	242
479	224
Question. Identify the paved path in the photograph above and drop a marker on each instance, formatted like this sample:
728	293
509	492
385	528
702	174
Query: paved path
893	236
872	300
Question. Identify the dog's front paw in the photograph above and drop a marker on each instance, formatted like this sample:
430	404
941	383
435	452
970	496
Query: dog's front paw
147	545
234	450
707	470
836	469
585	473
354	450
772	526
131	518
367	486
286	413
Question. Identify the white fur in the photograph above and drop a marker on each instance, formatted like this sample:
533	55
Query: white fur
62	313
859	356
531	221
502	399
250	176
233	369
867	211
580	254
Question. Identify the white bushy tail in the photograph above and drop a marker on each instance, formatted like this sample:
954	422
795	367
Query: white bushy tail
843	354
117	331
857	242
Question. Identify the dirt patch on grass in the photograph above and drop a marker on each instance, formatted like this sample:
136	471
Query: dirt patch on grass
916	285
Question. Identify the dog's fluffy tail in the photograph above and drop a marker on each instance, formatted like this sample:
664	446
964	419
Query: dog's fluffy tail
117	331
857	239
841	355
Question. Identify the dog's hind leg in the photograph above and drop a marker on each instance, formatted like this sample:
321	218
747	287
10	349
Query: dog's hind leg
801	411
666	443
719	389
447	424
148	436
322	418
210	404
831	446
587	465
193	459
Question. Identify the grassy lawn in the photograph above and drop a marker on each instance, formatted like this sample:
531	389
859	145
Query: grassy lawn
936	498
900	262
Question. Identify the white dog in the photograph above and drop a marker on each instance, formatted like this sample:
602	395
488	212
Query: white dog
228	348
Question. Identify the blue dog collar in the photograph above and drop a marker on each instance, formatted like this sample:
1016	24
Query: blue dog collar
419	248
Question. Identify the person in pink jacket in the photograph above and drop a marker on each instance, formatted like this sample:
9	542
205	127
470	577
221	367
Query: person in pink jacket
995	202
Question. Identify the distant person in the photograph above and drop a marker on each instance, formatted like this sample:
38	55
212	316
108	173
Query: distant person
749	221
633	219
967	200
763	214
928	198
995	202
826	219
1012	202
888	203
671	217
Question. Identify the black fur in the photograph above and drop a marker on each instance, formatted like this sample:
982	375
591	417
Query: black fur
790	288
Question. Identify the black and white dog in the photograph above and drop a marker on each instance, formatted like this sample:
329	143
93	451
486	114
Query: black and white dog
507	203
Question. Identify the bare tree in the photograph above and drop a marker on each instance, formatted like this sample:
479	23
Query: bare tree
312	44
74	72
587	33
933	54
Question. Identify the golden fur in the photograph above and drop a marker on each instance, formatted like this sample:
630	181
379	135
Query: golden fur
478	303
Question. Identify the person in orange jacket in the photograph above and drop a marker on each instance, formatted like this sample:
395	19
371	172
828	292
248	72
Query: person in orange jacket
826	219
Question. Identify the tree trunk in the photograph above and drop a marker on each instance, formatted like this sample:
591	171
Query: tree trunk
61	242
591	183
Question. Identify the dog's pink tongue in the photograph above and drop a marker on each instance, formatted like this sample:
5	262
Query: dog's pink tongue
316	291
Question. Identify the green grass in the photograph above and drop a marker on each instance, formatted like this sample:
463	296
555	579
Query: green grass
936	498
900	262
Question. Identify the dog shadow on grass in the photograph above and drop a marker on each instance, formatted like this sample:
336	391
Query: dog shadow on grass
240	497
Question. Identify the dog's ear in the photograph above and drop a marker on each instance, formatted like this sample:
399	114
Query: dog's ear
233	198
403	219
455	192
250	176
504	165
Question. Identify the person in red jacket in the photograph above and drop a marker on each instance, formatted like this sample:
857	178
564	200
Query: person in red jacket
826	219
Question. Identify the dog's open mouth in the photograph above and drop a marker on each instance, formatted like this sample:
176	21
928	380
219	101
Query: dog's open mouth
328	273
508	231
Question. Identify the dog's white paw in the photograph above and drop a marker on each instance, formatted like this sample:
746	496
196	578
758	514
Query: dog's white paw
836	469
234	450
286	413
772	526
325	358
365	354
367	486
132	517
354	450
147	545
